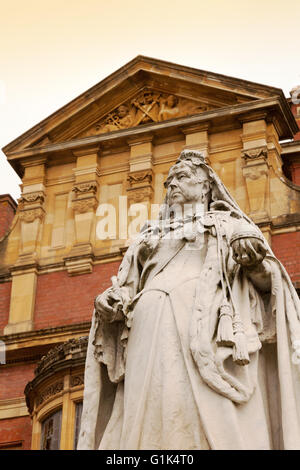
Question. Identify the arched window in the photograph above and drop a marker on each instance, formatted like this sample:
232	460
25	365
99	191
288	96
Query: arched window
51	428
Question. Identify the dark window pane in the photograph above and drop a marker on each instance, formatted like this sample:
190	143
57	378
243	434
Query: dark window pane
77	423
51	432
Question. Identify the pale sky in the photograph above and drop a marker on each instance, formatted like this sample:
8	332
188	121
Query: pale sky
53	50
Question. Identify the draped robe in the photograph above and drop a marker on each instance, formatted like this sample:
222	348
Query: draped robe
156	379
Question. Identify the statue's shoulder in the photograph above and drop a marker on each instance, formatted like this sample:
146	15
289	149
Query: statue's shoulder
225	219
224	210
226	216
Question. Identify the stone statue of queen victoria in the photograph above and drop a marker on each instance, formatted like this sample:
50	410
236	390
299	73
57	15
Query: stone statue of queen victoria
196	343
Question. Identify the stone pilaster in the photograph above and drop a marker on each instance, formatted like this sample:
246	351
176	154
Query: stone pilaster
140	186
140	176
24	273
85	201
256	168
196	138
31	210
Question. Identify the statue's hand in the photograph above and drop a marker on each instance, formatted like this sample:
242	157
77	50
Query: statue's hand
107	304
248	252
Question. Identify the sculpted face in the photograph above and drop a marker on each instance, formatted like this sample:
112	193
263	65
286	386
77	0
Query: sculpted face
122	111
171	101
185	187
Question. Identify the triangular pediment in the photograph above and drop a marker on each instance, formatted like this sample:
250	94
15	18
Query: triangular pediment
147	106
143	91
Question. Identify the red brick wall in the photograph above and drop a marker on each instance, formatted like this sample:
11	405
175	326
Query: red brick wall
295	172
13	380
286	247
5	290
14	430
62	299
7	212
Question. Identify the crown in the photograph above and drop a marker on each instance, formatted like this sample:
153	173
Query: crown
194	156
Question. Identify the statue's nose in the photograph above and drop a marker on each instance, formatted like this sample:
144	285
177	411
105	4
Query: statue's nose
173	183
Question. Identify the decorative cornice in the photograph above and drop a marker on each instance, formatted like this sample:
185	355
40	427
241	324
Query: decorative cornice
60	352
66	356
42	269
275	104
16	341
253	116
290	147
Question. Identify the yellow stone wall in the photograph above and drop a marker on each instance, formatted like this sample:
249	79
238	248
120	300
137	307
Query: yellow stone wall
58	231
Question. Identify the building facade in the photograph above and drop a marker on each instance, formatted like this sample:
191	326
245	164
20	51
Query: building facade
91	174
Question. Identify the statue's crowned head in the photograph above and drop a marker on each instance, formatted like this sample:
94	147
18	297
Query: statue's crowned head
191	179
188	180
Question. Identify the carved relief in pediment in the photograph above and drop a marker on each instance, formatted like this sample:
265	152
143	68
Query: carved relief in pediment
149	106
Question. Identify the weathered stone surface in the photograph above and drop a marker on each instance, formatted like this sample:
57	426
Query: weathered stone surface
186	336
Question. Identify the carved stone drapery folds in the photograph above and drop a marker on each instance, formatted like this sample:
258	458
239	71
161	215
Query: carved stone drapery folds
148	106
139	187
